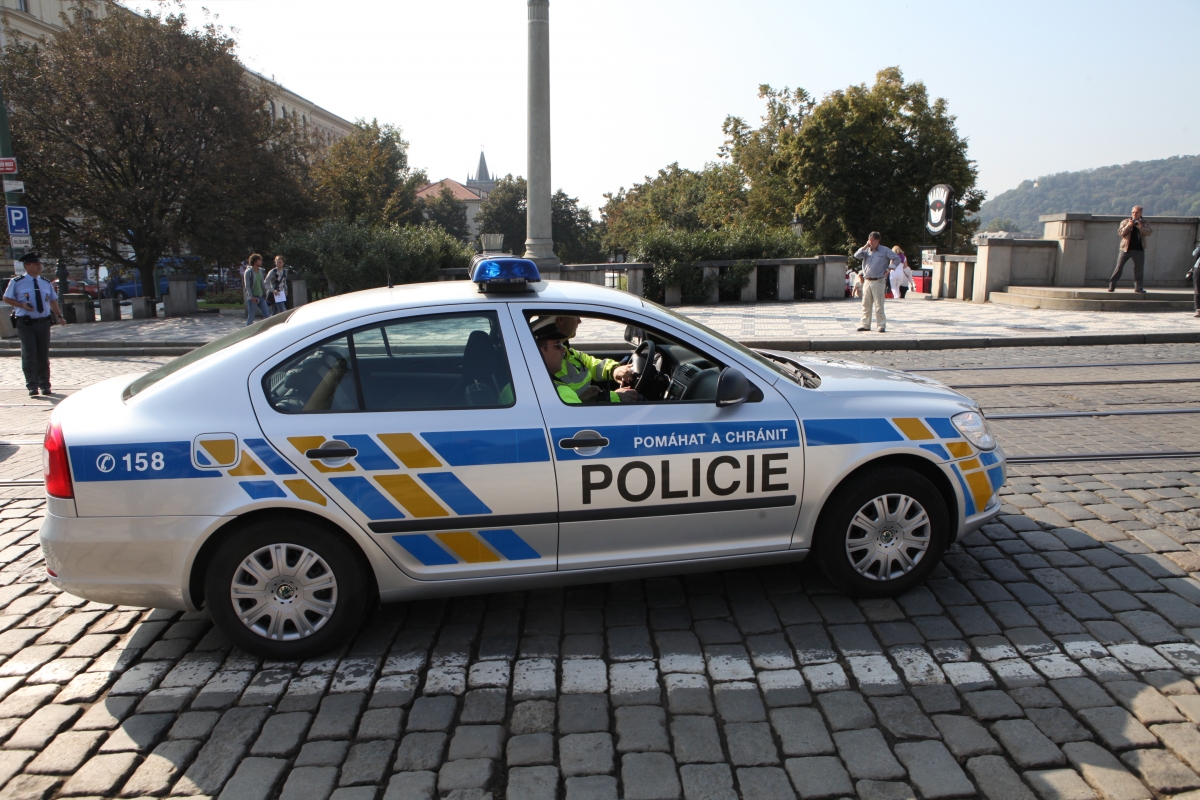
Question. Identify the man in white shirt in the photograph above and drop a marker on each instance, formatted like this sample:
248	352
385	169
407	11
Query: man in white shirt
36	303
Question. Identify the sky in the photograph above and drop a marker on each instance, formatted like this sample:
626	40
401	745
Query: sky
1037	87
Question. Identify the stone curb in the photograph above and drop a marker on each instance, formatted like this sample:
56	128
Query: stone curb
870	341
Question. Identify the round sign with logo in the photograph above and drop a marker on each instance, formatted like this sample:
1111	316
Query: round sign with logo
937	208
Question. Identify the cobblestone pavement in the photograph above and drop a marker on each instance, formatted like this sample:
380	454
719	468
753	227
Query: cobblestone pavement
1053	655
760	321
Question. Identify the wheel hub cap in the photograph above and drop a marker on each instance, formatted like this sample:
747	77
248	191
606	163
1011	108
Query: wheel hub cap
888	537
284	592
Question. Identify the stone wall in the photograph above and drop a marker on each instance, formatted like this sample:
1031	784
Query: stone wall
1080	250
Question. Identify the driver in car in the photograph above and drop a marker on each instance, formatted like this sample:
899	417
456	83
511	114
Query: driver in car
577	370
551	344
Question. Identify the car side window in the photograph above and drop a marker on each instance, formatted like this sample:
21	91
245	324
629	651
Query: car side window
443	361
318	379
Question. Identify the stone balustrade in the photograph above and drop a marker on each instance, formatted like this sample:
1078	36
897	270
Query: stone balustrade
828	277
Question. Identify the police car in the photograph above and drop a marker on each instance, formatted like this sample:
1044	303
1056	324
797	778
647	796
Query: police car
409	442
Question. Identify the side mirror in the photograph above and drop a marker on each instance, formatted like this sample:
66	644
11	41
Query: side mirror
634	335
732	388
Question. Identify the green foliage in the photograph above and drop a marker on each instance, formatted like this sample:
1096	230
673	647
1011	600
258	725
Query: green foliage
348	256
365	177
1006	224
504	212
448	212
674	199
141	137
864	158
576	234
672	251
754	152
1167	187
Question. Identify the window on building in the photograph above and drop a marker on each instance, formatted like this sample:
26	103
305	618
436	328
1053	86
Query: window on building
23	5
272	102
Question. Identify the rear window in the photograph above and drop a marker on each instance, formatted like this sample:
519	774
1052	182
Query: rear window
171	367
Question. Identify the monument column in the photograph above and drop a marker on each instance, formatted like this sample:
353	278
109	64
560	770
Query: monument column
539	241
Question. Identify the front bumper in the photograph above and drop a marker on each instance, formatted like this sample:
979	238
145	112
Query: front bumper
135	561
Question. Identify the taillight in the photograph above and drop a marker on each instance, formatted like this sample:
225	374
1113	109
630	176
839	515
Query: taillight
55	465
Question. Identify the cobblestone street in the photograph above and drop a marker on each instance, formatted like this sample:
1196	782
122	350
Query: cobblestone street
1053	655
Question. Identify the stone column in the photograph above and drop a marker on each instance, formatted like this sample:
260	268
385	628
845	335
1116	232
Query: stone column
539	242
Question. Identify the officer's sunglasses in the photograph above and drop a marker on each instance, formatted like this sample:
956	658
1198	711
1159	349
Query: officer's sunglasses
556	345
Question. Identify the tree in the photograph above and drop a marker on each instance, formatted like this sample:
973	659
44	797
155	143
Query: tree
675	199
365	177
139	138
753	151
864	158
576	234
447	211
997	225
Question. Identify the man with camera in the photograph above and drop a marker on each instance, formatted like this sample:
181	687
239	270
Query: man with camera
1133	232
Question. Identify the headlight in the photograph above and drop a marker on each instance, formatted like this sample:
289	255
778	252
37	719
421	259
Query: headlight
973	426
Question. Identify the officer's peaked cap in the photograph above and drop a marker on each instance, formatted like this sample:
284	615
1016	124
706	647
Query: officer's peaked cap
31	258
546	328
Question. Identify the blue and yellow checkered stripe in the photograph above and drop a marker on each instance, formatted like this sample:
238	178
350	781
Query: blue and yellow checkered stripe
980	474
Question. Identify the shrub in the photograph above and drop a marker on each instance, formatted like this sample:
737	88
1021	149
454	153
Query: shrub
673	251
349	256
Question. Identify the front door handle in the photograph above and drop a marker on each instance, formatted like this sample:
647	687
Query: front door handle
322	453
578	443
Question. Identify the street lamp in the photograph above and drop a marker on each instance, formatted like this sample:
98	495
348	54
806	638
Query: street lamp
796	225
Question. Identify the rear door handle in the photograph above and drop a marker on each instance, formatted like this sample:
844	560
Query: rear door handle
321	453
576	443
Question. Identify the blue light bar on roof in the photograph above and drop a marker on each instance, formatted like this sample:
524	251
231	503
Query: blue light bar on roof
510	273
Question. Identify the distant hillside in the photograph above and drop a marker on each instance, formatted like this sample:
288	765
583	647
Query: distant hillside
1168	187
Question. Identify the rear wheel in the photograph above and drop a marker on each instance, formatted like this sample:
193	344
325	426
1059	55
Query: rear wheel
286	591
882	534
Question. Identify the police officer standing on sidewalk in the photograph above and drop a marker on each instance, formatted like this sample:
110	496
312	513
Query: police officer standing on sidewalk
35	302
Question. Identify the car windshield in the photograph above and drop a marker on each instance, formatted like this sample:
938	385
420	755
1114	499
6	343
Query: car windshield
776	367
171	367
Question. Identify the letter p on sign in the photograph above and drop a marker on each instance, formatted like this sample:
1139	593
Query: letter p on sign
18	220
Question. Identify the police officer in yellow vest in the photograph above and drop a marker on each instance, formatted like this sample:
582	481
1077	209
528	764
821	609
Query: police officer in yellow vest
573	371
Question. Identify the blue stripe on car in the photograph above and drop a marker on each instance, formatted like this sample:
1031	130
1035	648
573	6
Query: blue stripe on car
477	448
508	544
273	460
425	550
821	432
370	455
262	490
454	493
365	497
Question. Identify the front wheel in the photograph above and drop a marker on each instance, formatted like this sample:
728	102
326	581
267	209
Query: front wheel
121	296
286	591
882	534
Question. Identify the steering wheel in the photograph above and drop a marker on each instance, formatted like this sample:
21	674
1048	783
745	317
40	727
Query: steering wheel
643	365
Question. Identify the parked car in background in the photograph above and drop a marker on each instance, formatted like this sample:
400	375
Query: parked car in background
84	287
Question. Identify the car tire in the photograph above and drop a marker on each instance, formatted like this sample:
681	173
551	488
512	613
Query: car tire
278	614
882	533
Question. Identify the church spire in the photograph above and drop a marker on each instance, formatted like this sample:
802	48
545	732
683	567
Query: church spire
482	174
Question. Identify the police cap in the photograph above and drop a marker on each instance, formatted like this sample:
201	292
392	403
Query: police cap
31	258
545	328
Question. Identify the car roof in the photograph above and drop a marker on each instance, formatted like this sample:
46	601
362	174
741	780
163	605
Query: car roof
371	301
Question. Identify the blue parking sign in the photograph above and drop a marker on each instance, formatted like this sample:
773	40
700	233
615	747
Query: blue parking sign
18	220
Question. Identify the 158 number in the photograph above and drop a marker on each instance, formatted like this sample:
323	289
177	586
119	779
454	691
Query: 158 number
137	461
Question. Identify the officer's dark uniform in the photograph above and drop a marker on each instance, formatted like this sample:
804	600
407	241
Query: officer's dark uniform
33	327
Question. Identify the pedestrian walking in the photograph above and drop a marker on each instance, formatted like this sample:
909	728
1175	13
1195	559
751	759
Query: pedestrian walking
901	277
1133	232
36	305
877	262
277	287
254	289
1194	274
858	285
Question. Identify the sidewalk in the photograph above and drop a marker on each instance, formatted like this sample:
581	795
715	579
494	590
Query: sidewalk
829	325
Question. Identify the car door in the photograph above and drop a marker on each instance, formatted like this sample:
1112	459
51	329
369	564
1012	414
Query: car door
422	429
674	480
